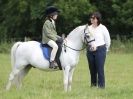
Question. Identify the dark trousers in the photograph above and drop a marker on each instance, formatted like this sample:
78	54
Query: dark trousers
96	62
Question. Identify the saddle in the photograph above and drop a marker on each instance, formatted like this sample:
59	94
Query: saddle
46	49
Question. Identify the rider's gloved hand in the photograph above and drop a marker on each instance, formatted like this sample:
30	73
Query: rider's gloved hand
59	40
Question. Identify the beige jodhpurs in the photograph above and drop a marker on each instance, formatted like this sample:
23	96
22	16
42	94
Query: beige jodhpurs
52	44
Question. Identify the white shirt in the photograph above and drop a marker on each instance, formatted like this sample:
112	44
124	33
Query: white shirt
101	35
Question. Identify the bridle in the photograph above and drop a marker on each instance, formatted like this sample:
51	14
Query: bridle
72	48
85	39
86	36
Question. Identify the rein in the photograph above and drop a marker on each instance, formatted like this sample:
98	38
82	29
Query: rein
85	37
73	48
84	40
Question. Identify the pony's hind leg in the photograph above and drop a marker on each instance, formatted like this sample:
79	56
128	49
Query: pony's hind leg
16	77
21	75
11	78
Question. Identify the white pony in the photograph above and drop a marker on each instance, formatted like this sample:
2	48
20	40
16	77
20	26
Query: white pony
24	55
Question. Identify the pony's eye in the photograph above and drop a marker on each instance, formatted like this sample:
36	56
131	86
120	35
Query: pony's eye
87	35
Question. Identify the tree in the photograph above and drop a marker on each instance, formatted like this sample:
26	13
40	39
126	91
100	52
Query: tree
20	18
73	13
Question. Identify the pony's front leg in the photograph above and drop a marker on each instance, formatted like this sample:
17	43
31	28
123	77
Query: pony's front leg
66	76
70	78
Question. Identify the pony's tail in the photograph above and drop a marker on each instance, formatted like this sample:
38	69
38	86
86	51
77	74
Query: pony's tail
13	51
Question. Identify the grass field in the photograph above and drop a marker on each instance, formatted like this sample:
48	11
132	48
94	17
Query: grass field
49	85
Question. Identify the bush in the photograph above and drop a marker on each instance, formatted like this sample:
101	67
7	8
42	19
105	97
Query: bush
119	46
5	47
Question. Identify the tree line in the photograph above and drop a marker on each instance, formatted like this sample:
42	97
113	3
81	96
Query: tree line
20	18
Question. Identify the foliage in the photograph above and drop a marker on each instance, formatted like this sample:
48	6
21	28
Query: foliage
74	13
118	45
123	20
20	18
5	47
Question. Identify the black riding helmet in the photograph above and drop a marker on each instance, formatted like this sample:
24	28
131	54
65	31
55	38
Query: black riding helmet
51	10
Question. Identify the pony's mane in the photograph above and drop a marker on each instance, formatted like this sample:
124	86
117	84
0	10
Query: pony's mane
76	31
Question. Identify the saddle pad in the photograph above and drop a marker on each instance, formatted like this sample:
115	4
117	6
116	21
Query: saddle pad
46	49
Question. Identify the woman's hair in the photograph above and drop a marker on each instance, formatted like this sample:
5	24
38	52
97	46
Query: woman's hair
98	16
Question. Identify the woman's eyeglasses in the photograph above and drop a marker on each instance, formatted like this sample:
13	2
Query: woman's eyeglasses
92	18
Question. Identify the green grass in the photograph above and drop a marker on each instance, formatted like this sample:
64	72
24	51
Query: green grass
49	85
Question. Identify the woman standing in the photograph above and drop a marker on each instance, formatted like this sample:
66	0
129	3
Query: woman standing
49	34
96	58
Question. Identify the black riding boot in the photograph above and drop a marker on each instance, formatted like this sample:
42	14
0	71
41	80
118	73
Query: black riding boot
53	65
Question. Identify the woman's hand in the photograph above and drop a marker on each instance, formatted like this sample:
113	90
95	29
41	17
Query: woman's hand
59	40
93	48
